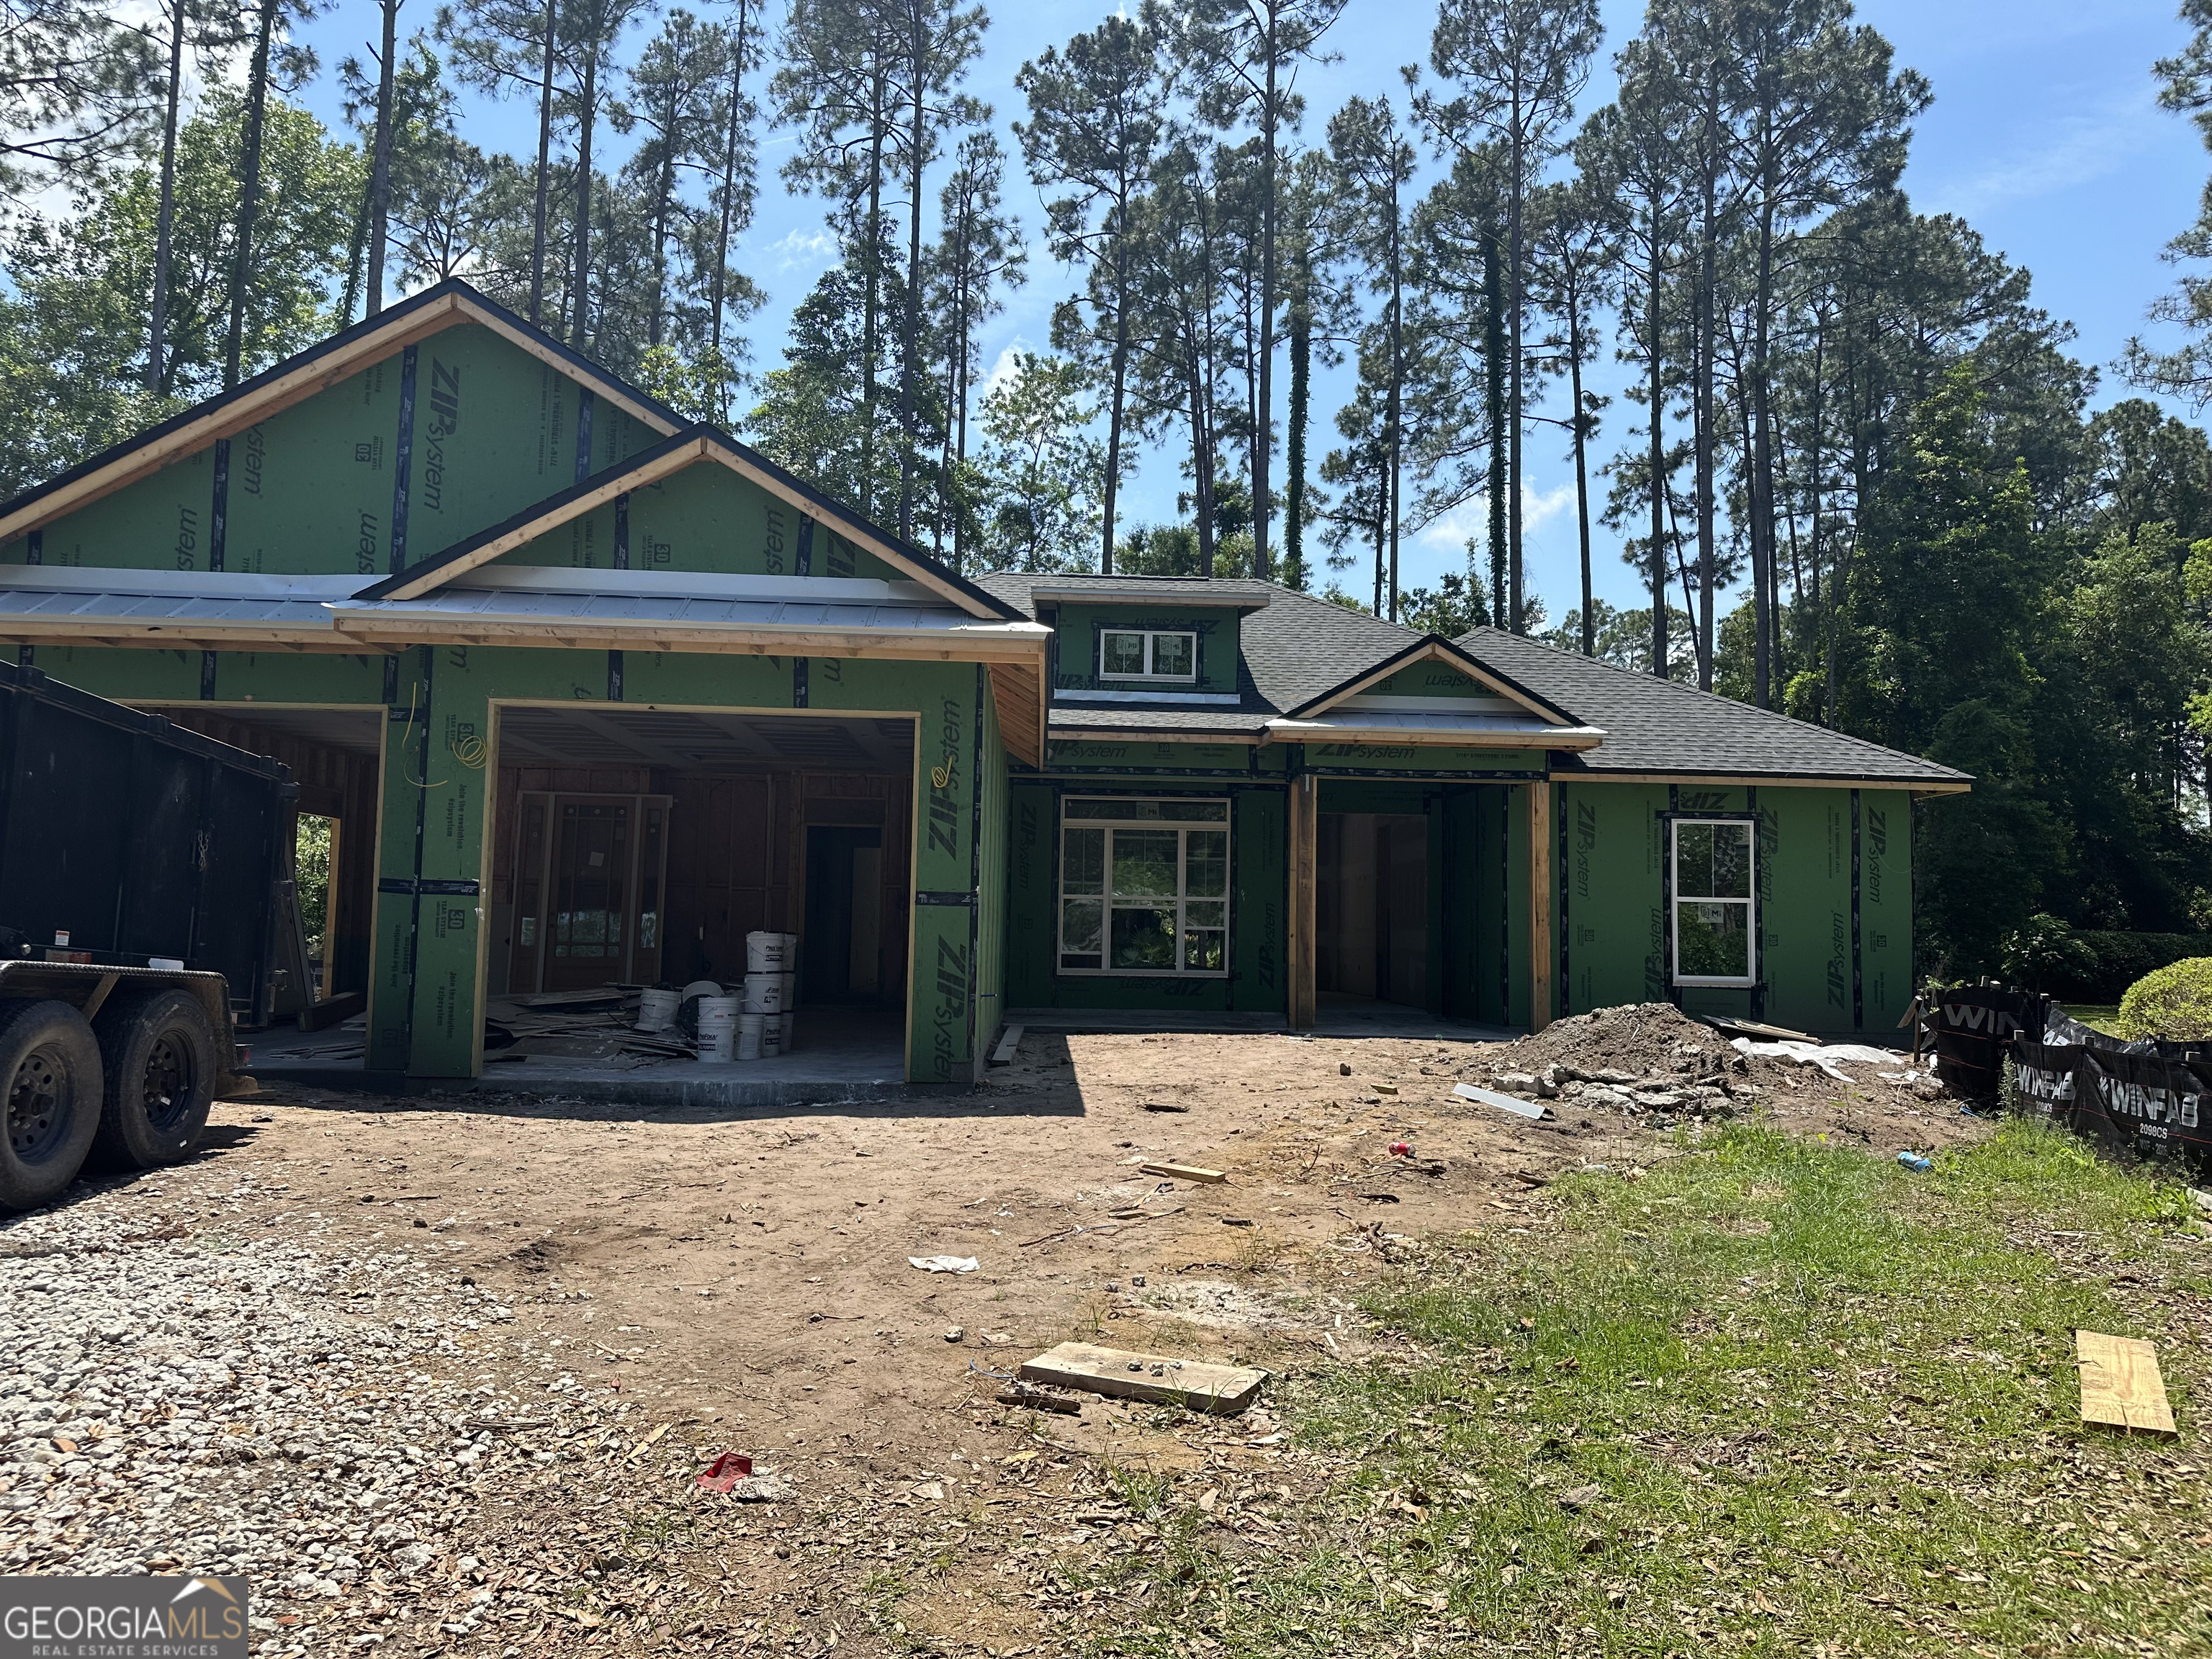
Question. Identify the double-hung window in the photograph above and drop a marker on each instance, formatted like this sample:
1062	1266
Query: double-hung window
1716	900
1144	886
1144	653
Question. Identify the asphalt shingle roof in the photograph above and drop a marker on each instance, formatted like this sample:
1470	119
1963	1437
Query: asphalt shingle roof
1663	726
1298	647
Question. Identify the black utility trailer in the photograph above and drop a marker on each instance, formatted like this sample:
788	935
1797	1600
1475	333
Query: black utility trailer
142	870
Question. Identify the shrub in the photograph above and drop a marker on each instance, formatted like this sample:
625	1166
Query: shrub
2176	1001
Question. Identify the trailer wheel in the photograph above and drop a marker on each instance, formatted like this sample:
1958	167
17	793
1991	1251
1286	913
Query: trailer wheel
49	1069
161	1061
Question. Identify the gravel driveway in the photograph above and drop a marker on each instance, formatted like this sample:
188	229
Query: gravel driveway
190	1389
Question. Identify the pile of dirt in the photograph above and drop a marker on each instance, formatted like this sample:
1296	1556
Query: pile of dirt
1653	1041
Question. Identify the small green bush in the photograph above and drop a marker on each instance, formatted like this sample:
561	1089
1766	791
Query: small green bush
2175	1001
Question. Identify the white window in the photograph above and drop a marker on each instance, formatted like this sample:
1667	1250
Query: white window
1715	906
1134	654
1143	887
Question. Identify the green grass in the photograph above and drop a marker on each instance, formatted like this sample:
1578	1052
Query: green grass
1769	1398
2100	1016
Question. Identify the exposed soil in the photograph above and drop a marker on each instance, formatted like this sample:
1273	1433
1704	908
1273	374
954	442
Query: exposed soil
744	1279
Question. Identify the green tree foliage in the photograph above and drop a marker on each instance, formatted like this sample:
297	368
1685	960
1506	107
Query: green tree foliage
71	338
1046	473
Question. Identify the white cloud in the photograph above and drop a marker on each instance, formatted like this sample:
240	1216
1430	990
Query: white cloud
1004	367
2073	149
1470	520
802	247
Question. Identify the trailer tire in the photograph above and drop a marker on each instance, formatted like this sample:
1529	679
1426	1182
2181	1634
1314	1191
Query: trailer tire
49	1073
162	1066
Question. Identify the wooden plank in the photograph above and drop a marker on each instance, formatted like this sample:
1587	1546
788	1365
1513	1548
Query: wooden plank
1541	898
1183	1172
2121	1385
1004	1054
1194	1384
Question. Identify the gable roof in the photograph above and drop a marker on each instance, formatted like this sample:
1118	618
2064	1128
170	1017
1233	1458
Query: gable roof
449	304
694	444
1662	728
1434	647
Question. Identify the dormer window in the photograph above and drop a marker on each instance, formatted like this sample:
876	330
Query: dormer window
1144	653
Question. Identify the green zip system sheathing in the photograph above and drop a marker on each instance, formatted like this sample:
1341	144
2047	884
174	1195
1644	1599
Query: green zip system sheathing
1258	891
1835	901
415	452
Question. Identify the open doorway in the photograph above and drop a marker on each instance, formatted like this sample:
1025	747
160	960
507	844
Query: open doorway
336	757
1371	907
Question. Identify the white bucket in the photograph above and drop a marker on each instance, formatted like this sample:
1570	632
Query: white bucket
790	990
748	1036
764	994
764	952
772	1034
656	1010
787	1033
718	1027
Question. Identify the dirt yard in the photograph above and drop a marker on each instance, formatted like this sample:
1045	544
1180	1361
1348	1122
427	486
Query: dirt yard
667	1284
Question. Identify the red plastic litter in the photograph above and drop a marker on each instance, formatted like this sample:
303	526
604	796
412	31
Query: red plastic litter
726	1471
1401	1149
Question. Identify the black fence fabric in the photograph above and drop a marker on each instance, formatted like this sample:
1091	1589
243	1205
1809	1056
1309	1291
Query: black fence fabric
1975	1028
2128	1097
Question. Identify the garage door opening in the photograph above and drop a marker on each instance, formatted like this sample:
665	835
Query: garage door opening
638	848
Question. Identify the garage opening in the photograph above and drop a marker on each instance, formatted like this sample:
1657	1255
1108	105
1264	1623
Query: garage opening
335	755
1371	909
638	848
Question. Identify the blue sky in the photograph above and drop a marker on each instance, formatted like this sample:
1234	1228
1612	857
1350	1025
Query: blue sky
2045	134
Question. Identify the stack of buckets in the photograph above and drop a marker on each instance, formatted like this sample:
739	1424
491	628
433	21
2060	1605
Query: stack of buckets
764	1023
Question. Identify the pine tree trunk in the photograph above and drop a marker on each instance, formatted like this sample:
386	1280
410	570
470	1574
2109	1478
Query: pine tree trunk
1394	412
1514	375
544	171
1299	311
1764	578
249	193
1117	394
157	326
1658	462
580	277
1707	570
1262	433
910	333
380	175
1493	306
729	180
1582	467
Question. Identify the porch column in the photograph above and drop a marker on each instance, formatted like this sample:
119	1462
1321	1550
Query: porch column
1541	956
1304	820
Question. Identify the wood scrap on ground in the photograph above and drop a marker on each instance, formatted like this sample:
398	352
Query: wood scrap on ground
2121	1387
1196	1384
1182	1172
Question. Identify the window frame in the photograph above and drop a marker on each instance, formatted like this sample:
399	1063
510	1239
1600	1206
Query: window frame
1151	637
1676	823
1225	826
